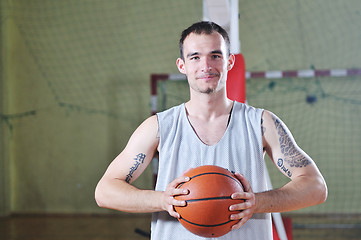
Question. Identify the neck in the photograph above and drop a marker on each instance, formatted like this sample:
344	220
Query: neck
209	106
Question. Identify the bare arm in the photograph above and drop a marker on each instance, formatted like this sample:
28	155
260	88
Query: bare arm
306	188
114	189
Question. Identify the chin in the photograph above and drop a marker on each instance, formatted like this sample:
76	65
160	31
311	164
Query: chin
208	91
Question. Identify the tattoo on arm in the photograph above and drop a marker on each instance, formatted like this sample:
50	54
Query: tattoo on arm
291	154
139	158
263	129
283	168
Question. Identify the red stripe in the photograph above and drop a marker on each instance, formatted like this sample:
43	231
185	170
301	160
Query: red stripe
258	74
322	73
286	74
353	72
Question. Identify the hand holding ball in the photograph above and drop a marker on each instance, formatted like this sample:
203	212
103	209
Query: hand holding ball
207	211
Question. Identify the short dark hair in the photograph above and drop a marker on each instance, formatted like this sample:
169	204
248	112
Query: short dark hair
203	27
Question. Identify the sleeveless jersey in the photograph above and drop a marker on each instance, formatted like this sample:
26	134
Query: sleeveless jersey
240	150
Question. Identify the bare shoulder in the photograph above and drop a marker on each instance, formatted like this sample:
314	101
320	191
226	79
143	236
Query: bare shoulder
150	124
272	124
147	132
269	117
275	132
281	146
137	154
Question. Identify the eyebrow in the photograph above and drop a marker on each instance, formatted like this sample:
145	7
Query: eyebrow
217	51
192	54
197	53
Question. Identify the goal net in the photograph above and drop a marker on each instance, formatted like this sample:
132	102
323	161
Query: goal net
86	64
322	108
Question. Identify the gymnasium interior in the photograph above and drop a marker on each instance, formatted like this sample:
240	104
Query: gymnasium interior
78	77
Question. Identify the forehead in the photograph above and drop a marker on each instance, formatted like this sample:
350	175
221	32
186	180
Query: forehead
204	43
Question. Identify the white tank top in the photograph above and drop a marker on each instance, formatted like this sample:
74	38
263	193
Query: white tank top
239	150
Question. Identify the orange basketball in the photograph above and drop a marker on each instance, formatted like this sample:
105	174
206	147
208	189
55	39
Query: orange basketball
207	211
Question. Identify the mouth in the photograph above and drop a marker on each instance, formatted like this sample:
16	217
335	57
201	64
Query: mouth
208	76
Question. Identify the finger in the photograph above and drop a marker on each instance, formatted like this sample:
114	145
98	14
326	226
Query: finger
178	181
177	191
178	203
173	213
243	217
239	224
240	214
242	195
171	203
246	185
240	206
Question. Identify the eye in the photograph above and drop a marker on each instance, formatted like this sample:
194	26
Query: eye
194	58
216	56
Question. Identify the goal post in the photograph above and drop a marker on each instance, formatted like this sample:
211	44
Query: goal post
235	90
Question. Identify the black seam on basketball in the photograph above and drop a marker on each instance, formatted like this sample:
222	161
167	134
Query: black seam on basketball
207	199
216	173
203	225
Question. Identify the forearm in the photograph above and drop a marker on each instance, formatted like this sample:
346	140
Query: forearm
119	195
299	193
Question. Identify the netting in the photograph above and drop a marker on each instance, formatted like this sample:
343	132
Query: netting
324	116
78	70
93	59
323	113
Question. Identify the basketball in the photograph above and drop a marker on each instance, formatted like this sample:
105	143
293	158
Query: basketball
207	211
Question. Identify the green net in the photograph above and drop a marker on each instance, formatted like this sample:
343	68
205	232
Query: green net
323	114
96	57
85	66
74	86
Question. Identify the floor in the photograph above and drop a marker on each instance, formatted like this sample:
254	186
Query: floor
129	227
87	227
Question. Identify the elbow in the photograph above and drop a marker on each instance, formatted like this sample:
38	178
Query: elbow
99	202
99	198
321	192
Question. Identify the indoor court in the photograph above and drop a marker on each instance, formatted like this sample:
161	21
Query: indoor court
136	227
78	77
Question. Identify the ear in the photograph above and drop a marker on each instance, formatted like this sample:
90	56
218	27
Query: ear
231	60
180	65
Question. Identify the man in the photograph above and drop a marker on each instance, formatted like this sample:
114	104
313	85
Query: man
211	129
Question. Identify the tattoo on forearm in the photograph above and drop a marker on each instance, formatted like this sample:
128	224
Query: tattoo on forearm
291	154
139	158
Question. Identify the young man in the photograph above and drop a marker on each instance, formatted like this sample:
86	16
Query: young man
210	129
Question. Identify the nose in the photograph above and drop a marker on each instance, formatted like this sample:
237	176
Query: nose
206	66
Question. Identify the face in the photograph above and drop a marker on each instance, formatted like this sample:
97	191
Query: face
205	62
